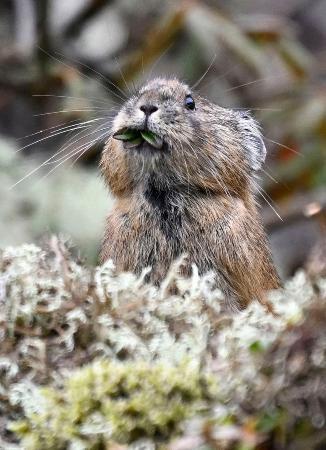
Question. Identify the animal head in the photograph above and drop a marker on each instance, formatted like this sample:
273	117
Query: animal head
168	132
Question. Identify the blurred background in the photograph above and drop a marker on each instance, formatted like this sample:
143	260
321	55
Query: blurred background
64	64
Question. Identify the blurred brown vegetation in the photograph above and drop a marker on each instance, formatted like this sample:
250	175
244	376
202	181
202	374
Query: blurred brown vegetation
265	56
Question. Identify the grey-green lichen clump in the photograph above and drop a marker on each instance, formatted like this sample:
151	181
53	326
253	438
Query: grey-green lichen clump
193	375
113	402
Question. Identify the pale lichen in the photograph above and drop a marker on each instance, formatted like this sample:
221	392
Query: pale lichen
56	315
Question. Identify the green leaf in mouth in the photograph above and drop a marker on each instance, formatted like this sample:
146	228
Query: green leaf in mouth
126	135
132	138
130	144
152	139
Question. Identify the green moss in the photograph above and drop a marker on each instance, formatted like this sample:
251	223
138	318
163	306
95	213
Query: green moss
114	401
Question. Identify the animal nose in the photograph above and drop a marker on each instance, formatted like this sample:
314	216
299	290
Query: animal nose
148	109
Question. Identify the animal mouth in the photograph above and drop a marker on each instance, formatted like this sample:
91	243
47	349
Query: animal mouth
133	138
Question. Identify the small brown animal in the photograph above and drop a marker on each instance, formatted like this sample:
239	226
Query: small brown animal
183	172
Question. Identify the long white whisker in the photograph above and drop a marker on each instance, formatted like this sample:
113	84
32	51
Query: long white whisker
269	175
82	137
258	109
44	130
71	154
73	141
122	76
81	73
72	97
69	110
204	74
247	84
57	133
101	75
284	146
88	145
45	162
86	149
164	52
261	192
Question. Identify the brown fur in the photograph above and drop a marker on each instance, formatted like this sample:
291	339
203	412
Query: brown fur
195	196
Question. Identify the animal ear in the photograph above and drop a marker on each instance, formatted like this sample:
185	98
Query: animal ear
252	139
256	151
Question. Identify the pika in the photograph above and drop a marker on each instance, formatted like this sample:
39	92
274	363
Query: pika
183	172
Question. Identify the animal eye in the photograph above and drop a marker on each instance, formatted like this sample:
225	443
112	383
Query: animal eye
190	102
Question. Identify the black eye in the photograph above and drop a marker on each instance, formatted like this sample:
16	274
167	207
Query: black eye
190	102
